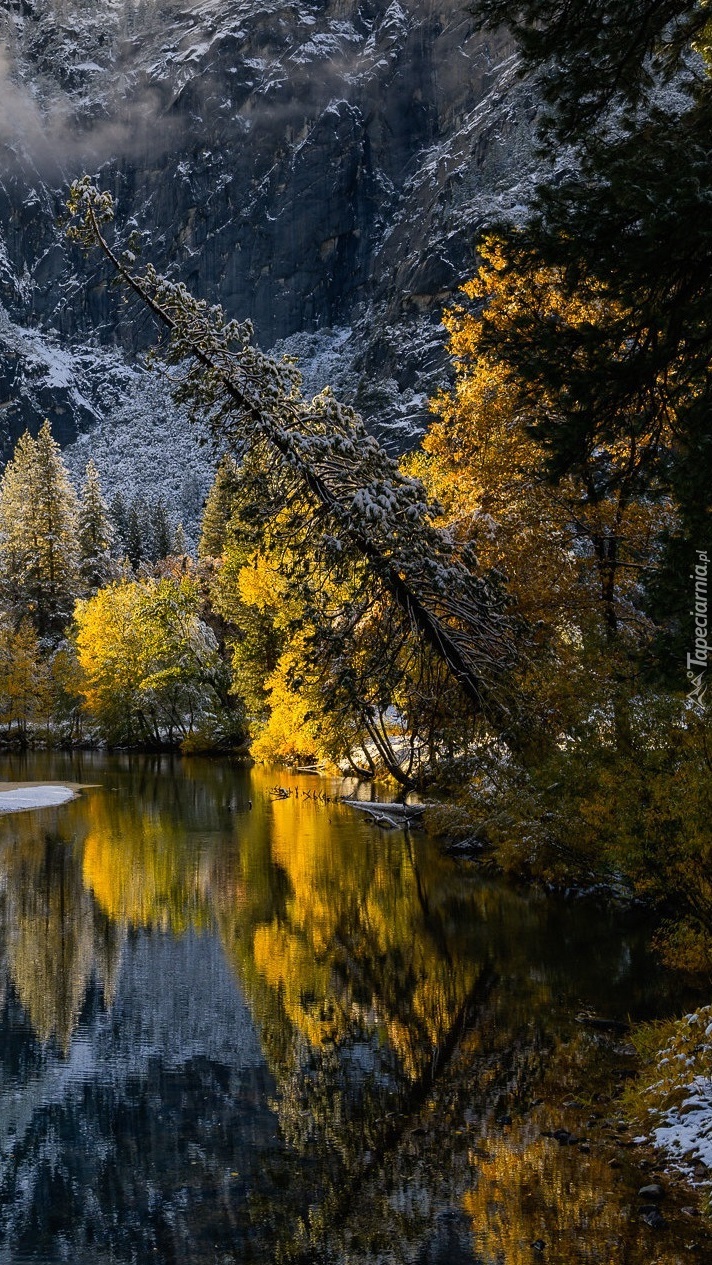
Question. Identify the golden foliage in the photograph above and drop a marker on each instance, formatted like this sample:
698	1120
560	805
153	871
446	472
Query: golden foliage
553	543
149	664
384	914
137	866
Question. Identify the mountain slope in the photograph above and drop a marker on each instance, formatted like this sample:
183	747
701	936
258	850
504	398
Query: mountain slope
321	168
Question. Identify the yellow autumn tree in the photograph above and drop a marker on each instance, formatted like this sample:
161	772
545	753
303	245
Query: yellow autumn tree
25	687
291	729
571	549
574	545
150	665
110	651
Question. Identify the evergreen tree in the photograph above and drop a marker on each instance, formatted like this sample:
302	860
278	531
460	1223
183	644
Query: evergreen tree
588	56
39	552
119	516
95	533
179	547
24	680
135	535
160	532
629	221
218	509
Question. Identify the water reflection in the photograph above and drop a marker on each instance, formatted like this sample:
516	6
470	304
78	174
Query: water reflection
276	1033
55	938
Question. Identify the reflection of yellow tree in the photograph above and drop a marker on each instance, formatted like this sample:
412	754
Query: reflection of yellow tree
542	1193
526	1187
56	938
529	1190
362	932
138	866
288	964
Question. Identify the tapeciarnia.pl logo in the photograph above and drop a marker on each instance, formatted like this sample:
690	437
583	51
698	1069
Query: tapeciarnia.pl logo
697	662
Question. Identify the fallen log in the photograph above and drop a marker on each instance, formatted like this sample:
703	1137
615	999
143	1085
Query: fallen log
393	810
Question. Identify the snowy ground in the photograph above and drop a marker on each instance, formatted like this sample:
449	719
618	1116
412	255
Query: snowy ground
21	798
679	1092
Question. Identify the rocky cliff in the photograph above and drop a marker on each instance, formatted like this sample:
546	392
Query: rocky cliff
323	168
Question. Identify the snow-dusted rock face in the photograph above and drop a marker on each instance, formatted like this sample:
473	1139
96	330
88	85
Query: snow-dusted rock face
315	166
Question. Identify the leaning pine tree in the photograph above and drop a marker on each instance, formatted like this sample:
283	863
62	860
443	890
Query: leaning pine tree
39	552
360	516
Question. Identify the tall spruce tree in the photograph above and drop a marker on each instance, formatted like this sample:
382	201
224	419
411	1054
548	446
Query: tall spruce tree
119	518
160	531
95	533
39	551
218	509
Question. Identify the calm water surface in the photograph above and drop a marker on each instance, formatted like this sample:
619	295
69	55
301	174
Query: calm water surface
281	1034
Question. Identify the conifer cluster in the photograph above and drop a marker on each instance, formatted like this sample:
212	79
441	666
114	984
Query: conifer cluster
60	553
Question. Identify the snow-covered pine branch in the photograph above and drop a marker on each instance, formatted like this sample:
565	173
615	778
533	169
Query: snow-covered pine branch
364	500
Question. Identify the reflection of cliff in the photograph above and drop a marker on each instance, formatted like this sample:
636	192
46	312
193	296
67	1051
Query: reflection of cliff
137	1144
279	1036
126	1139
122	861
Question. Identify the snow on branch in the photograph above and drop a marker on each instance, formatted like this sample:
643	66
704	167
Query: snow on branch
364	501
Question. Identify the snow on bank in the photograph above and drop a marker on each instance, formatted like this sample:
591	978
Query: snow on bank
686	1134
25	797
679	1096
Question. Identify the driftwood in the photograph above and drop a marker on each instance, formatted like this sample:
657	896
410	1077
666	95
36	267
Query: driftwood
389	816
393	810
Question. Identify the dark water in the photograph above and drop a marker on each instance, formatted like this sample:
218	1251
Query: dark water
281	1034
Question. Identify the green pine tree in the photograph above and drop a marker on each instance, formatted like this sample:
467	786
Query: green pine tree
119	518
160	531
95	533
218	509
39	551
136	550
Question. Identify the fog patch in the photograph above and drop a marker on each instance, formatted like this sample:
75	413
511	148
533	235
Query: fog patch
52	138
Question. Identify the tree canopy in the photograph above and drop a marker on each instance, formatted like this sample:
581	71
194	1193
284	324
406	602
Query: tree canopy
622	211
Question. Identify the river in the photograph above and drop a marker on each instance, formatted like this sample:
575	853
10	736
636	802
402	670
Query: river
244	1028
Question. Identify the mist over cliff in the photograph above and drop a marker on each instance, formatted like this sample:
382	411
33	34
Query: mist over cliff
322	168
